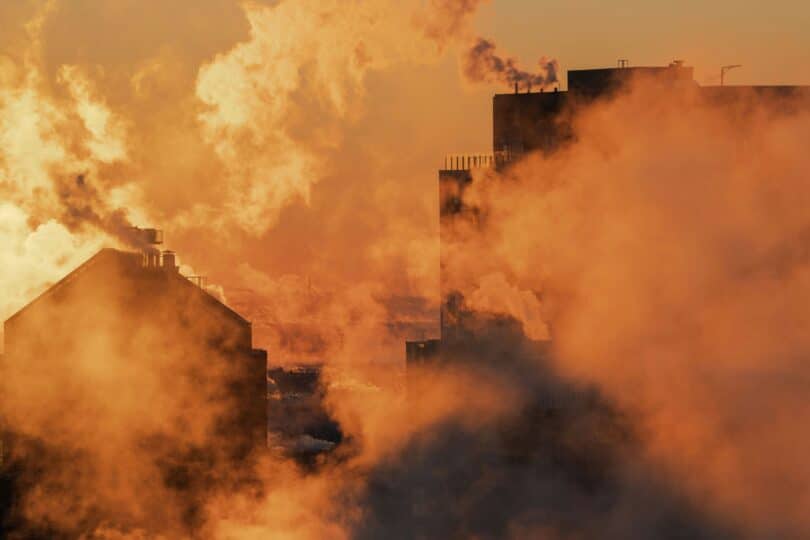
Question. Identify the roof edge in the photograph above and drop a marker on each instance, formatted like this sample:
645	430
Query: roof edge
103	252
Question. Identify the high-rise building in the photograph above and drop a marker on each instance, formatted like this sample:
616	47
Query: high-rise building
541	122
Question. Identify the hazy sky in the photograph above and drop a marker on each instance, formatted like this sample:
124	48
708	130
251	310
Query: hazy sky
770	39
370	182
289	150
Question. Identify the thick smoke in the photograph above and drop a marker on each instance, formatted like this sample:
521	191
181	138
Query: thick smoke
59	202
214	120
446	20
211	122
668	268
671	269
482	64
35	255
552	459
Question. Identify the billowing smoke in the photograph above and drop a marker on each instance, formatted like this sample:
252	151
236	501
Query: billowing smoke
35	255
482	64
669	269
445	20
214	138
83	208
549	458
215	121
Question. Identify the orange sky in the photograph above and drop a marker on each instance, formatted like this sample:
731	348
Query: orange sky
290	152
339	185
768	38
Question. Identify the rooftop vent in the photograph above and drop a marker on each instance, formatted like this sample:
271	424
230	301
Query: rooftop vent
151	237
169	261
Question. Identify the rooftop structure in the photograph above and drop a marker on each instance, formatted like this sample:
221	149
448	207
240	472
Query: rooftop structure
527	122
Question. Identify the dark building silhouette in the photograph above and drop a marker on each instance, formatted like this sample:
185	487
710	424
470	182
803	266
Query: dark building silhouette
540	121
531	122
135	307
149	292
298	424
421	351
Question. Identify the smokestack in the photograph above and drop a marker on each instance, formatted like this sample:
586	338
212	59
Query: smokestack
169	261
483	64
151	257
147	239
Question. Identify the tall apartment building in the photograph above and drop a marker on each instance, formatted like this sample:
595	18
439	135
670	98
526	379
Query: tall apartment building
532	122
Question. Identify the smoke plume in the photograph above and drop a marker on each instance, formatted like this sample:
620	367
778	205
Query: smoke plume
482	64
283	146
671	270
446	20
218	118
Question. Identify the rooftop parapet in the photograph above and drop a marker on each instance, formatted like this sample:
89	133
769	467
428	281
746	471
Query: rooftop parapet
467	162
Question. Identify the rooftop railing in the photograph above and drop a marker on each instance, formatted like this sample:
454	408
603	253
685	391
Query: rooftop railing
466	162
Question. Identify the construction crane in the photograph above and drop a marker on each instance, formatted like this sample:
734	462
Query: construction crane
723	72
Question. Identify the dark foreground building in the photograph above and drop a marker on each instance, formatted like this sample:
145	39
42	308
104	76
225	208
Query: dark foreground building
124	327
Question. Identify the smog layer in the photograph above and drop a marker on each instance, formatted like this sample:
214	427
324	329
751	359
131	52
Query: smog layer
649	279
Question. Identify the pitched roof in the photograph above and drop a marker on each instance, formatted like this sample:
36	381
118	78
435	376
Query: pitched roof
109	255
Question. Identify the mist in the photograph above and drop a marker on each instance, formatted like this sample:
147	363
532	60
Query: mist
633	302
669	270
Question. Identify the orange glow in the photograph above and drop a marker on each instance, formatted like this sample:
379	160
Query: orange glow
633	305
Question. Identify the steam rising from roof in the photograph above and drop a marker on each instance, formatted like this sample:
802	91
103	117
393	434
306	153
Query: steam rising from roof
445	20
482	64
84	206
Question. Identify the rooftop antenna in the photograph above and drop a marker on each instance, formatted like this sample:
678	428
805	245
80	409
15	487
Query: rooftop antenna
624	62
723	72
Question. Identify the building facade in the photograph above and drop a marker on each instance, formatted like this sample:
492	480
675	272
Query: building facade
168	370
542	123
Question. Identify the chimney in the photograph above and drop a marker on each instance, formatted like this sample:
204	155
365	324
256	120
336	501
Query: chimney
151	257
169	261
148	239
